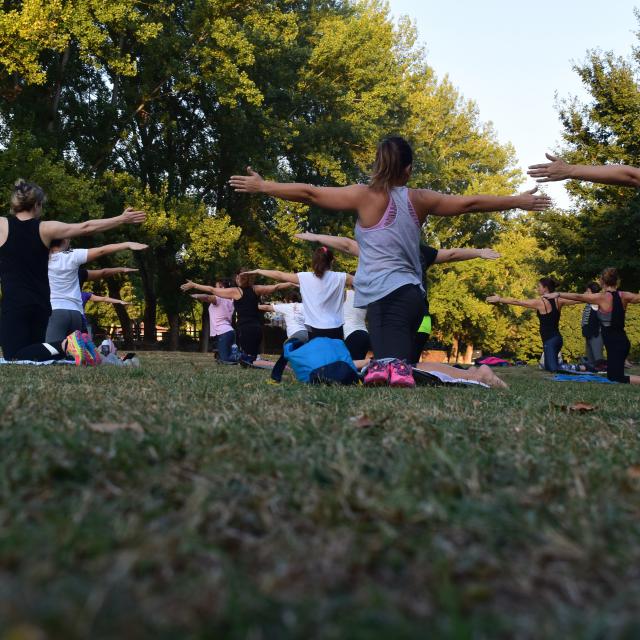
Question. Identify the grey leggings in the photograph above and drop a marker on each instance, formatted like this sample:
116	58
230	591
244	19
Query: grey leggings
62	322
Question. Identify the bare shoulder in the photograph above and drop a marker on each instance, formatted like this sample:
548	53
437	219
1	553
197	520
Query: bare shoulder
423	200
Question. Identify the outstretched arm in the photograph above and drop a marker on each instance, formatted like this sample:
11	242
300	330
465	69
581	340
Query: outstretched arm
276	275
429	202
108	249
340	243
53	230
230	294
557	169
98	274
204	297
630	298
269	289
564	296
459	255
266	307
338	198
95	298
530	304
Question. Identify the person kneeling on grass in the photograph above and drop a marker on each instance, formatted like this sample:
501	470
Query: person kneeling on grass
322	291
66	297
548	311
245	302
612	305
390	217
220	321
428	257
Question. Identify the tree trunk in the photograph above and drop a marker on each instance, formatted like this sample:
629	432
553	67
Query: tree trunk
114	288
468	354
174	331
204	334
453	358
150	310
55	102
150	303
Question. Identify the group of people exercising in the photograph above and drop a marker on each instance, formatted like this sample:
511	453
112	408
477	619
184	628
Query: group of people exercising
383	308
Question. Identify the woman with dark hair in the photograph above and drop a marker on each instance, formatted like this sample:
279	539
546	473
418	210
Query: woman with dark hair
612	306
428	257
557	169
548	312
220	321
591	329
24	261
245	301
388	281
322	292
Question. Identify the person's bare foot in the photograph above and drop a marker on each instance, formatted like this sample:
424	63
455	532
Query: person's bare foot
486	375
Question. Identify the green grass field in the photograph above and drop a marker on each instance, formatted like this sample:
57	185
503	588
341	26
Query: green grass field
232	508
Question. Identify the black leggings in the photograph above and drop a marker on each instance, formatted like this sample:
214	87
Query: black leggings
421	341
249	339
336	333
22	327
618	347
358	343
394	321
40	353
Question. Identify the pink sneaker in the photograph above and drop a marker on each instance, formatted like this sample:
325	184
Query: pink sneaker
400	374
377	374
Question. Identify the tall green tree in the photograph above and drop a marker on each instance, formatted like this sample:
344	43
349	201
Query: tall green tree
602	229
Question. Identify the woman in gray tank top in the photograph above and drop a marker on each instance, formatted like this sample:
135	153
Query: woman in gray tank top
388	230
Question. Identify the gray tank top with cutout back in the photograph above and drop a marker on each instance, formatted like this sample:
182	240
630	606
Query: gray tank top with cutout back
389	251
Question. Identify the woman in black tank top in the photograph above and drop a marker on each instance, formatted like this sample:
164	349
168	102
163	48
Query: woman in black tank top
612	305
245	298
548	312
24	259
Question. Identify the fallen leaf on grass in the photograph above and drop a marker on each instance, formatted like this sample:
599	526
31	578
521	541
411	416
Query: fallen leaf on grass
576	407
633	472
363	421
581	407
112	427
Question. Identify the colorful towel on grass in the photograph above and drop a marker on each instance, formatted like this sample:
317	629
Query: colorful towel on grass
581	377
36	364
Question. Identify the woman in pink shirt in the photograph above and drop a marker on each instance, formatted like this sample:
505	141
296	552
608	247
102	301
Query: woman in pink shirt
220	317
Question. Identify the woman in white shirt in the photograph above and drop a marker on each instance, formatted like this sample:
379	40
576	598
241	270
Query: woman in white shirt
322	293
293	313
66	298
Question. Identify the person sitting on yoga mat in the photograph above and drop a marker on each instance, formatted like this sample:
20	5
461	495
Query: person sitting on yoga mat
612	305
245	300
390	216
548	311
67	313
322	292
557	169
591	329
220	321
428	257
293	313
24	261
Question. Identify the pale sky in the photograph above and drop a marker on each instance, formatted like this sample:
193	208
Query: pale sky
511	57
